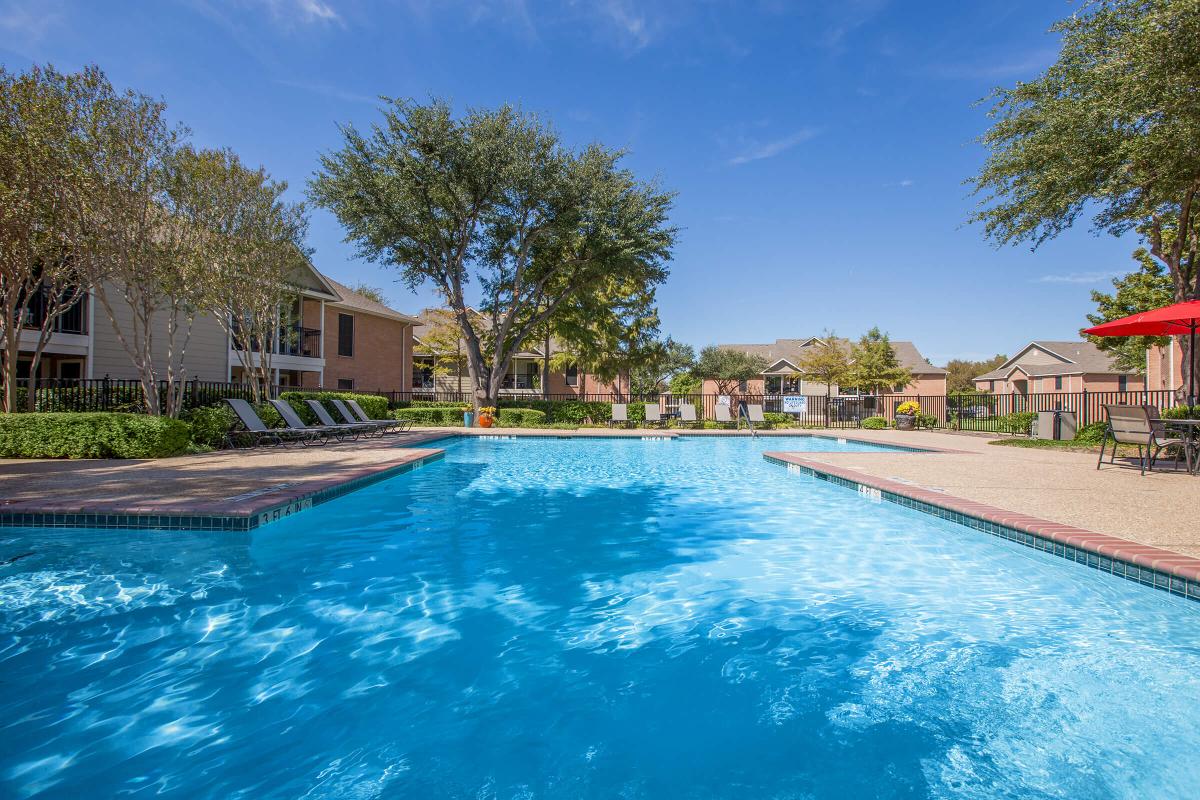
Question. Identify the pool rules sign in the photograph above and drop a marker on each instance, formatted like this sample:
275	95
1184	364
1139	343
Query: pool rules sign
795	404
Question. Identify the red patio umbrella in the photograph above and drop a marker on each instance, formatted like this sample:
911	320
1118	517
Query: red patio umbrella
1172	320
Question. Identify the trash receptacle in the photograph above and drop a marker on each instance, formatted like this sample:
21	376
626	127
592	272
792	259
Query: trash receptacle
1056	425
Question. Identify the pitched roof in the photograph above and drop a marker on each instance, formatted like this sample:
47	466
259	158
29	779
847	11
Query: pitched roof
793	351
1074	358
360	302
425	322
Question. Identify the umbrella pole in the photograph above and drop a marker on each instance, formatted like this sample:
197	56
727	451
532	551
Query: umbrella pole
1192	367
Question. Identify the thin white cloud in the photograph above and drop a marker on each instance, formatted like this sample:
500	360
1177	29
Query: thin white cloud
628	20
1077	277
303	12
328	90
29	20
1021	65
758	152
900	184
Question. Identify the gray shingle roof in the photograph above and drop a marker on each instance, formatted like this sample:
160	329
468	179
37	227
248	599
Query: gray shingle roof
1075	358
358	302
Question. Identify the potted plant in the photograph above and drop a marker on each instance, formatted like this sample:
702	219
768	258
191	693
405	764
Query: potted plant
487	416
906	415
468	415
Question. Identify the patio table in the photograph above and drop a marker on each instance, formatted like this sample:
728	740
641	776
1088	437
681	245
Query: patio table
1191	436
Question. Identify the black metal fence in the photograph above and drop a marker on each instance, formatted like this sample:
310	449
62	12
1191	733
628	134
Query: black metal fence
995	413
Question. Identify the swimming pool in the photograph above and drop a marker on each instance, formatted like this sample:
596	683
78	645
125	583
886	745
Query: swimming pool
589	618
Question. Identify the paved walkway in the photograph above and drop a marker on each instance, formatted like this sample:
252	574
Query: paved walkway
1161	509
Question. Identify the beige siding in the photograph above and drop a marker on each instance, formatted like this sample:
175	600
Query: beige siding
206	358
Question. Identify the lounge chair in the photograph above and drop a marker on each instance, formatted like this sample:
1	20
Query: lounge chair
351	411
293	421
351	426
257	432
722	415
620	414
653	414
754	413
687	414
1135	425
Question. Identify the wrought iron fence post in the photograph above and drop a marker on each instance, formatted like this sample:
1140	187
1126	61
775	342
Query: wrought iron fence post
1084	411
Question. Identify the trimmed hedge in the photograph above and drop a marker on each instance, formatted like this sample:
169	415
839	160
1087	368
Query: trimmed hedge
1092	433
520	418
575	412
445	416
375	406
1018	422
875	423
98	434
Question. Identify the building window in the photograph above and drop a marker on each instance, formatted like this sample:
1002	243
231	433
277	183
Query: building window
1122	383
573	375
1058	383
345	335
741	386
346	384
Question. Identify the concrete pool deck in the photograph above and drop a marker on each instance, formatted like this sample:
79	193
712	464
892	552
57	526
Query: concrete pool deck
1159	510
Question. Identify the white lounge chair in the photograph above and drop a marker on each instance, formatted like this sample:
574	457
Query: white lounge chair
620	414
687	413
653	414
754	413
722	414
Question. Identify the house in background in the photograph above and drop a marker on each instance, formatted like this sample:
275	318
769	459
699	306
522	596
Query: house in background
782	375
524	375
1164	366
329	335
1048	367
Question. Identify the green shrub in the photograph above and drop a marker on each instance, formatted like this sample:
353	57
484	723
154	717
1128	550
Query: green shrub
777	420
451	416
91	435
211	423
1182	412
875	423
575	412
1018	422
1092	433
927	421
375	405
520	418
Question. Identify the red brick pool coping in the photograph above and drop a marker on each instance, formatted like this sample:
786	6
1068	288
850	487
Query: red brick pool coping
1104	545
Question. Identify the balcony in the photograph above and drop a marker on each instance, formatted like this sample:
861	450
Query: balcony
294	340
521	382
73	321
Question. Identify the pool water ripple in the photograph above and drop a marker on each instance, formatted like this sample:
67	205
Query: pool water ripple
603	618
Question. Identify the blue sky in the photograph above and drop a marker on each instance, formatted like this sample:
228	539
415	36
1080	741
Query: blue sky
818	148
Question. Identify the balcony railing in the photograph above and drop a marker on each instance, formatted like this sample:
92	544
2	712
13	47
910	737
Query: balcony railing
294	340
521	382
74	320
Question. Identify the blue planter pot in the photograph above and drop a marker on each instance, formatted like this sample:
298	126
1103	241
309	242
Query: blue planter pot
468	419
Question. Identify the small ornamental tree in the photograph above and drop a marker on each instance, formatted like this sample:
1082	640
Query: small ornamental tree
875	368
493	203
46	149
827	361
728	368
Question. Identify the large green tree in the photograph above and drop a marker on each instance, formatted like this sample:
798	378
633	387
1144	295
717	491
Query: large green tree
874	367
494	199
728	368
660	365
1110	130
1144	289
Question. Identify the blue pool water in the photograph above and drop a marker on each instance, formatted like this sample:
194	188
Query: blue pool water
589	619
